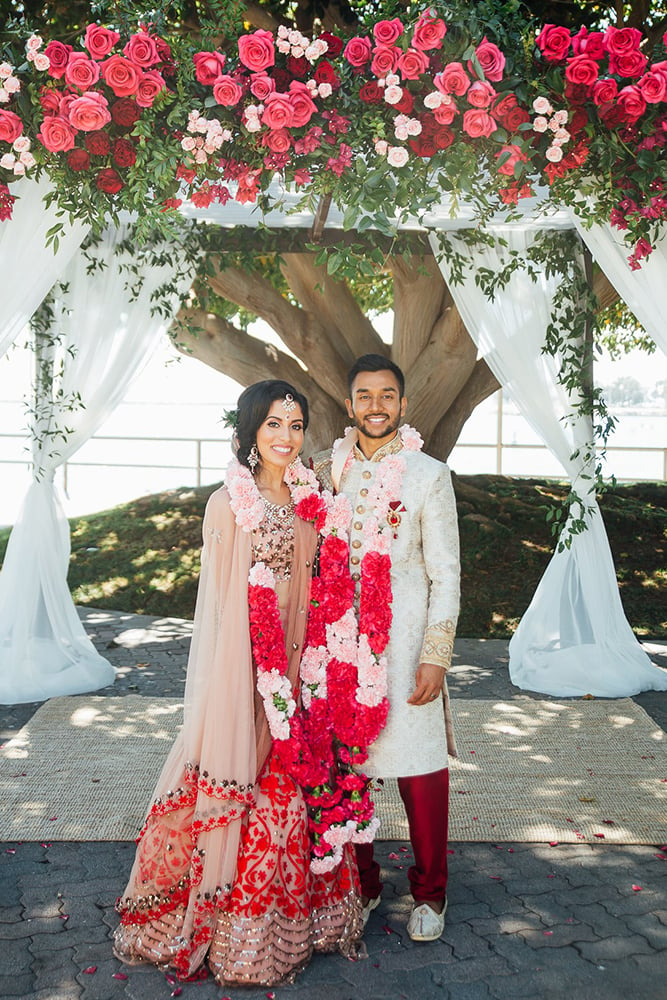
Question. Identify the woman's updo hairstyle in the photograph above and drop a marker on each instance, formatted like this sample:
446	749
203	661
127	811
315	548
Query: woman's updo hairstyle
253	407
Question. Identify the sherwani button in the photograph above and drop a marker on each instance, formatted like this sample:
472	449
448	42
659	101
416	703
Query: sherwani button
361	510
366	474
364	492
356	576
307	562
358	525
355	560
356	544
295	645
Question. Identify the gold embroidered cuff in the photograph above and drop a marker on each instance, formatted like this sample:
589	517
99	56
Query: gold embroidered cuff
439	644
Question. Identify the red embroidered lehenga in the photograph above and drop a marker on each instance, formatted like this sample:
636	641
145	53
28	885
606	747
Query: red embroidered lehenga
221	874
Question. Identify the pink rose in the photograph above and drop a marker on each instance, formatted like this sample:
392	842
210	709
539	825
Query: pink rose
49	100
278	111
150	84
226	91
256	51
56	134
429	31
303	106
553	42
632	103
99	41
477	123
11	126
121	76
208	67
81	71
480	94
604	91
58	55
512	154
386	32
654	87
385	58
590	43
358	51
620	40
446	113
412	64
142	50
582	69
89	112
261	86
491	59
628	64
278	140
452	80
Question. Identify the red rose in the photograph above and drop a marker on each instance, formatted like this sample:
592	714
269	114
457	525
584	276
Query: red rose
121	76
578	121
256	51
58	54
333	41
98	143
142	50
620	40
108	181
611	115
480	94
510	113
226	91
325	73
278	140
358	51
303	106
491	59
281	78
385	58
386	32
576	93
406	103
452	80
78	159
628	64
11	126
89	112
604	91
81	71
590	43
412	64
429	31
125	112
208	67
49	100
654	87
477	123
582	70
56	134
151	83
631	102
553	42
99	41
299	68
124	154
423	145
371	93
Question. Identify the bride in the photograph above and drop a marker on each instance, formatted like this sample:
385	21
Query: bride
222	873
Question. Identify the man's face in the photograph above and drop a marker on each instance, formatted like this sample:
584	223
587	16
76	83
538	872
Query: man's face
376	405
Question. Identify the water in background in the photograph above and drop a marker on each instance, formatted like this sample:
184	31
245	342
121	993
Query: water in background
177	398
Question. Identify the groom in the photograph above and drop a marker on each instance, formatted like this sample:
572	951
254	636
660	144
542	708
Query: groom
425	600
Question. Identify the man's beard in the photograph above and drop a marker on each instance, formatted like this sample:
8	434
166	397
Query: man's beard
371	431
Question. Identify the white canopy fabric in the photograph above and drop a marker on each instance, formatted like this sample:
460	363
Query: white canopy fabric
29	267
574	638
105	341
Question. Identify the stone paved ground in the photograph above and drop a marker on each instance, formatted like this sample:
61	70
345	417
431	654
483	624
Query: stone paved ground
524	920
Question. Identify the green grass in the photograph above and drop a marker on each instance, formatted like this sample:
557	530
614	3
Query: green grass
143	557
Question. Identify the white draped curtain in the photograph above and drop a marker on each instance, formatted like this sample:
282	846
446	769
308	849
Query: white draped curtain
643	290
28	266
106	335
574	638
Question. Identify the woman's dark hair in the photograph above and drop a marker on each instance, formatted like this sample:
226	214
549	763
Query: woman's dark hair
375	363
253	406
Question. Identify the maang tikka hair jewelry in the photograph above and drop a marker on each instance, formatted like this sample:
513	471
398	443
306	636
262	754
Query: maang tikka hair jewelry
288	403
253	458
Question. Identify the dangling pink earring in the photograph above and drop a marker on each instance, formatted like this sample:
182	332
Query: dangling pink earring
253	458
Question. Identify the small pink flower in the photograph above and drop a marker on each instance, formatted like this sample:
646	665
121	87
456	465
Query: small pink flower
542	106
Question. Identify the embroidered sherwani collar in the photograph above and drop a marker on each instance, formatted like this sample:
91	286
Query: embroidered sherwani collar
392	447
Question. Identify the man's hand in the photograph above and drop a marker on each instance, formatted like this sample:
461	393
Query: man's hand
429	681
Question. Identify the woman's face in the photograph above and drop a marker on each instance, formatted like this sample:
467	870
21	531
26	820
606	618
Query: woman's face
280	435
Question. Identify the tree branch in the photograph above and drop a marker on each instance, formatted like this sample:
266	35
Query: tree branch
419	296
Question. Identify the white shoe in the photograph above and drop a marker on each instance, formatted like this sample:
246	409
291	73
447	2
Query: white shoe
368	909
425	924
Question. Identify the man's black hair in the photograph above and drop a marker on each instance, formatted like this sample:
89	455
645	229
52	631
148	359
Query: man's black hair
375	363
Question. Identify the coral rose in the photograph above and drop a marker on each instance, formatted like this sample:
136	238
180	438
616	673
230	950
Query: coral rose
446	113
553	42
208	67
121	76
581	69
58	55
142	50
412	64
81	71
358	51
151	83
261	85
512	154
49	100
256	51
278	140
429	31
491	59
478	123
11	126
278	111
99	41
385	58
56	134
480	94
654	87
452	80
108	181
631	102
386	32
226	91
303	106
89	112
